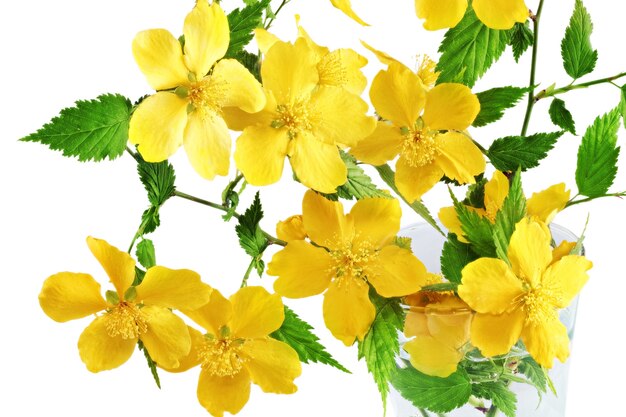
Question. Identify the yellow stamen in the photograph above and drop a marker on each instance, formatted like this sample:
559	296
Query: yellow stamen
208	95
126	320
332	71
221	356
297	117
350	261
539	304
419	146
427	71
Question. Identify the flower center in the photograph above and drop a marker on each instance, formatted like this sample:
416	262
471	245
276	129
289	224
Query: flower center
427	71
332	71
539	304
126	320
296	117
350	261
208	95
221	357
419	147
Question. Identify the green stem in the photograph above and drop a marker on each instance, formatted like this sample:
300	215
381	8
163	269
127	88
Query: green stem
533	69
492	412
586	200
244	281
423	412
545	94
271	20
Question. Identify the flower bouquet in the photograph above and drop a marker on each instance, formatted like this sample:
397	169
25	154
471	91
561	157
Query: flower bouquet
454	339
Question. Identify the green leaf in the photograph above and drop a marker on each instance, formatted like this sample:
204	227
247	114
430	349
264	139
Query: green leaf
158	179
513	210
476	194
562	117
150	220
579	57
151	363
469	49
494	102
622	104
251	61
513	152
146	254
359	184
242	23
380	347
251	237
439	395
478	231
454	257
534	372
521	39
597	156
298	334
442	287
499	394
92	130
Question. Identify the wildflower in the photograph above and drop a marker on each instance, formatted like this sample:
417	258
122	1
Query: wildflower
346	7
496	14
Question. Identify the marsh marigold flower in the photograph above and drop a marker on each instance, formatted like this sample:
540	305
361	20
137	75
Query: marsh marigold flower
302	120
522	299
425	128
346	254
542	206
496	14
130	314
192	90
236	350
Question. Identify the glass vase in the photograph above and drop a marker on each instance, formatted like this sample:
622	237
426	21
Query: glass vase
427	244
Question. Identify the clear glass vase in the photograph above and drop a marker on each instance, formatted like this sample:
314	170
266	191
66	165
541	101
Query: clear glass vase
427	244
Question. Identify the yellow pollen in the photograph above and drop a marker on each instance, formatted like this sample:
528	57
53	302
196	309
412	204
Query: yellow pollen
426	71
491	211
350	261
208	95
221	357
126	320
297	117
332	71
539	305
419	146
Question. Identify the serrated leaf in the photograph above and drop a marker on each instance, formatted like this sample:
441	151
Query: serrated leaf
534	372
597	156
469	49
298	334
513	210
91	131
242	23
579	57
380	347
151	363
251	237
478	231
359	185
476	194
150	220
521	39
439	395
158	179
146	254
513	152
494	102
622	104
499	395
454	257
251	61
562	117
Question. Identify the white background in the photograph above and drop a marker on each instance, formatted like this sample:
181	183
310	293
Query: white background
54	53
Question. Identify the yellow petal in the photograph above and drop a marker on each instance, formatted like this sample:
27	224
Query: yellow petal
207	143
342	68
450	106
546	341
449	218
67	296
564	249
264	39
167	338
496	334
320	51
565	278
223	393
260	154
416	323
317	165
101	352
290	71
217	313
170	288
398	95
460	159
413	182
190	360
496	191
302	269
237	119
157	126
256	313
291	229
449	321
383	57
348	311
346	7
206	37
440	14
119	266
545	204
383	145
325	222
432	357
529	251
501	14
242	89
376	220
489	286
272	365
160	57
395	272
341	116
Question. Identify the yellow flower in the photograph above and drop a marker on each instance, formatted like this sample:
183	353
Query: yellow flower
522	299
346	253
346	7
133	313
237	350
425	128
302	120
496	14
194	89
291	229
541	206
